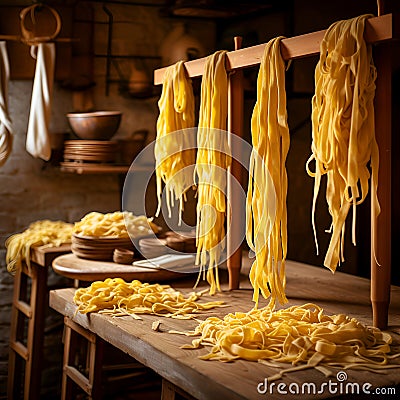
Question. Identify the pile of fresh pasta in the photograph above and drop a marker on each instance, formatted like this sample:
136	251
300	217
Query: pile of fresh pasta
39	233
118	298
118	224
303	336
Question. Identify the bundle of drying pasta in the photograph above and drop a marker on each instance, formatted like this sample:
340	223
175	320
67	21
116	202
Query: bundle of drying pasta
174	148
266	214
213	158
301	335
343	128
119	224
45	232
117	297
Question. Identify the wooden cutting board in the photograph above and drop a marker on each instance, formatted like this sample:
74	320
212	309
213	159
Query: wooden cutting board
73	267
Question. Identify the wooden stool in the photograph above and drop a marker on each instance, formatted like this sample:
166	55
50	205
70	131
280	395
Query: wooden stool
93	359
28	307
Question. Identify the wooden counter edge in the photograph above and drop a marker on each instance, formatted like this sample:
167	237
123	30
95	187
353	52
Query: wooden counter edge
44	255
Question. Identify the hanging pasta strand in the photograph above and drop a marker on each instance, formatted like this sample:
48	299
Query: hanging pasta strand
343	130
213	159
174	148
266	214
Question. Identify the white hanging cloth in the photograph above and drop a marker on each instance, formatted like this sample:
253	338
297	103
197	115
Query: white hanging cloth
37	138
5	121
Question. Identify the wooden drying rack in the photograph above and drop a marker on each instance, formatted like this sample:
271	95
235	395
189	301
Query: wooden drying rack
377	30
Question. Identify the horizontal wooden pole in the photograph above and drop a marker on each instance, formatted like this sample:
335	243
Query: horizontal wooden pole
37	40
377	29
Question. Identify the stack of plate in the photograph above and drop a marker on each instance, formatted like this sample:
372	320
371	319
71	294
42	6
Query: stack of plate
152	247
184	242
98	247
90	151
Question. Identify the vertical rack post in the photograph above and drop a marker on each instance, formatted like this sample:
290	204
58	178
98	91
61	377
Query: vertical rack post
381	229
381	224
235	209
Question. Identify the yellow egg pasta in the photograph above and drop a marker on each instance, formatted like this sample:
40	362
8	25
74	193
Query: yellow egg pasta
303	336
213	159
174	148
343	132
266	214
118	224
44	232
117	298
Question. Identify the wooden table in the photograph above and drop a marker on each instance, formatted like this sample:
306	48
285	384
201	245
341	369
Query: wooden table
73	267
239	380
26	347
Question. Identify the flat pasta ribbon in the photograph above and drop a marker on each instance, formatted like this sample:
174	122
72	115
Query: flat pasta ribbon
303	336
117	224
39	233
266	213
116	297
213	159
174	148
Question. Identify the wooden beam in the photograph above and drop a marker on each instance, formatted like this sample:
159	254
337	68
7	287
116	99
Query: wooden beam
377	29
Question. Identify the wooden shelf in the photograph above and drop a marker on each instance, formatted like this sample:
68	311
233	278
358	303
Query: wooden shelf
86	168
94	168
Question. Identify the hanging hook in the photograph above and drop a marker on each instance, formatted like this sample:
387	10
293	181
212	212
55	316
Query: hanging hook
28	36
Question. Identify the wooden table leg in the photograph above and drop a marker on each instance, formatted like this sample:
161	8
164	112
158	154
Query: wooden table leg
15	362
169	390
32	352
90	384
